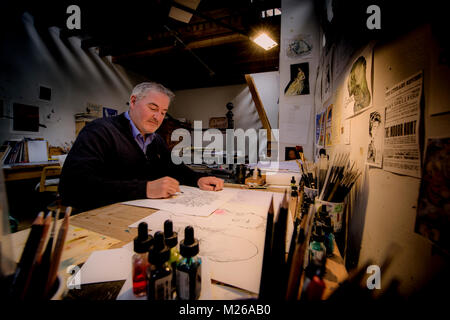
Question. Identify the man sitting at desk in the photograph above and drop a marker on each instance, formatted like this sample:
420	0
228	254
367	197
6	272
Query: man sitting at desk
122	158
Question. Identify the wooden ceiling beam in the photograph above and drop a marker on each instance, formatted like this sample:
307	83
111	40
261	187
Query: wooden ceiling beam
204	43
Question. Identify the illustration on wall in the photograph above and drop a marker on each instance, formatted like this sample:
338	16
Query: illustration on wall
433	210
329	117
326	77
375	146
299	84
298	47
357	91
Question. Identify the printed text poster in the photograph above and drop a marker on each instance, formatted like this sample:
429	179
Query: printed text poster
401	136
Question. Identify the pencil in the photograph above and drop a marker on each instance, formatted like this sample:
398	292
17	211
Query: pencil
27	258
33	273
57	252
279	248
296	268
266	272
44	266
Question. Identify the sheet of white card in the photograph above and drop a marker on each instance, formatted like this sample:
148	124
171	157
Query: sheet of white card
192	201
232	237
106	265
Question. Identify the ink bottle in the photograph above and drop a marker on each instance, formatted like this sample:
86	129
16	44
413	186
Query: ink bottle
139	260
159	272
171	240
189	268
317	250
329	236
316	286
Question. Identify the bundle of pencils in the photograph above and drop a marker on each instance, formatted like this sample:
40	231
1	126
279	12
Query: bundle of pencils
37	269
339	180
274	260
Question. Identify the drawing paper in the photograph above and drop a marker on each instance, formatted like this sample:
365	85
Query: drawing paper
106	265
232	238
192	201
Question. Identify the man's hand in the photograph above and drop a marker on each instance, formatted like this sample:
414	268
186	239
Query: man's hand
162	188
210	183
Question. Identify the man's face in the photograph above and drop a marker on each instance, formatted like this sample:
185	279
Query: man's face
148	112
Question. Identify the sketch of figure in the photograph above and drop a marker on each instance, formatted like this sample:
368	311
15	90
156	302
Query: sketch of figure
374	138
299	80
357	85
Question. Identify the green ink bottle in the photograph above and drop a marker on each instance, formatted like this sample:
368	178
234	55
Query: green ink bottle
317	250
171	239
189	268
159	272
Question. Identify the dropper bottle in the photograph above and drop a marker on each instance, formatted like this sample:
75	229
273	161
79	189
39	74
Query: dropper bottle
189	268
159	272
171	240
139	260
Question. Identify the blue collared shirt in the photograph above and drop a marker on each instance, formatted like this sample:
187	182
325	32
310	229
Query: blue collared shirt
143	142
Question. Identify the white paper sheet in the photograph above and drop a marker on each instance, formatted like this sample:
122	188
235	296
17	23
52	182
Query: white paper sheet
294	124
192	201
37	150
107	265
232	238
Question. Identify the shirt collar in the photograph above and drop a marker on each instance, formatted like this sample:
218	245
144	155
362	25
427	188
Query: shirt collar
136	133
134	130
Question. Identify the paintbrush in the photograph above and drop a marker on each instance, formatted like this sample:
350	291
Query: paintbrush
57	253
265	286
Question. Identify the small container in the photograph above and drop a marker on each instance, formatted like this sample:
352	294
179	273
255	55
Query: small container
171	240
189	268
317	250
159	272
139	260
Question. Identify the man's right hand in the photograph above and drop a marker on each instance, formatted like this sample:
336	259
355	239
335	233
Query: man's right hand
162	188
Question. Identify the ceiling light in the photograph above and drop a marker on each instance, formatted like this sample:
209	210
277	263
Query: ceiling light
264	41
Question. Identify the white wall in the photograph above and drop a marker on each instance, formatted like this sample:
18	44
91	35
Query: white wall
74	75
383	205
204	103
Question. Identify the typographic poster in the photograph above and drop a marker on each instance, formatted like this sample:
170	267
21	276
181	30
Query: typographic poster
401	129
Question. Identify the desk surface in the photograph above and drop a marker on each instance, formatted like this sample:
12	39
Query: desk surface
107	228
23	171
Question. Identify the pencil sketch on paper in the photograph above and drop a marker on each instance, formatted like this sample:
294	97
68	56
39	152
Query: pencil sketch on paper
193	198
191	201
214	233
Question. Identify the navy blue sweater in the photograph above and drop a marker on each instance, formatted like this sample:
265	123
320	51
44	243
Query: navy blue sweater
106	165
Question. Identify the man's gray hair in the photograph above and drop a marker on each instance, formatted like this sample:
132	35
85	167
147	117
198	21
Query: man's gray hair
142	89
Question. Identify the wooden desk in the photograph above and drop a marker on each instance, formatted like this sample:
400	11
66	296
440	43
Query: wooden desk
107	228
26	171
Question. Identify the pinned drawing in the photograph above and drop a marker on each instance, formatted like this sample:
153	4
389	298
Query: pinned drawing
298	47
374	148
299	84
357	93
